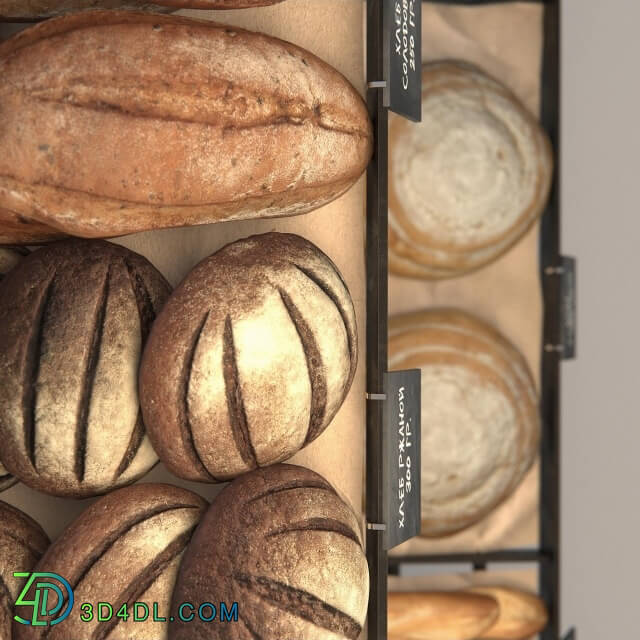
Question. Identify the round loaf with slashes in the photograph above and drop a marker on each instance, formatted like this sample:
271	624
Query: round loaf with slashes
22	543
467	182
281	543
9	258
436	615
177	122
74	317
49	8
124	548
480	426
250	359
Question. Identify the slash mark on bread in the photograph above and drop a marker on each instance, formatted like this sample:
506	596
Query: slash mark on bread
32	369
291	486
89	377
235	401
315	367
329	525
301	604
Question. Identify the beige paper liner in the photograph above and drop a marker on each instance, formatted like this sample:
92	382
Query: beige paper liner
506	41
333	30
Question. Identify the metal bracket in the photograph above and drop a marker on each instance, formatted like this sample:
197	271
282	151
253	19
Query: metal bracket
374	526
554	271
377	84
375	396
554	348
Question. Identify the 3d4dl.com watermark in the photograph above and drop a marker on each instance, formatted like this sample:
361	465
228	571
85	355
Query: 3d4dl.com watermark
51	600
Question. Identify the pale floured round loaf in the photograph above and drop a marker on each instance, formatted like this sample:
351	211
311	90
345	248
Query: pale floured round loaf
125	548
250	359
435	615
49	8
480	419
467	182
521	615
9	258
22	543
74	317
283	544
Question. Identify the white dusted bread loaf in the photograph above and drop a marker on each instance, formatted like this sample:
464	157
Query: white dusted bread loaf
469	180
480	421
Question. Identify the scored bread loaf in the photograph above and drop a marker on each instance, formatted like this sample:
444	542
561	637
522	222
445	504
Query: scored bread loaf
22	543
176	122
124	548
467	182
74	317
481	426
283	544
437	615
9	258
250	359
49	8
521	616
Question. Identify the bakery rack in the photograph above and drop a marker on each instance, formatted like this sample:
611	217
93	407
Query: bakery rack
552	268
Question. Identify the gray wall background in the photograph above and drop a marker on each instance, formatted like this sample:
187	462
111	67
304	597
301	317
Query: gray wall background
601	389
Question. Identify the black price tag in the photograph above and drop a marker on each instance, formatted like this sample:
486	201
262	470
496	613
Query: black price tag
568	307
403	428
404	24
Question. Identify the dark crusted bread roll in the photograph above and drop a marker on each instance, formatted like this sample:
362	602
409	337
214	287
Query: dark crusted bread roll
176	122
9	258
281	543
30	9
22	543
124	548
250	359
73	320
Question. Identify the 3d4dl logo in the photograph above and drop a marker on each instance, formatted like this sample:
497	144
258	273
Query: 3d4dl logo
46	610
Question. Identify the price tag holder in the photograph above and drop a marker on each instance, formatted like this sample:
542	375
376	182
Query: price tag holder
403	31
403	448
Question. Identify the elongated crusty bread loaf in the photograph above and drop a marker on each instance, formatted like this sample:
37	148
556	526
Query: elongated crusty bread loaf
74	317
481	427
9	258
124	548
22	543
439	615
16	229
30	9
281	543
116	122
521	616
250	358
468	181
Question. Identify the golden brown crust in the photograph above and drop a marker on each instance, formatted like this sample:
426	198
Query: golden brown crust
522	614
22	543
15	229
458	350
250	359
437	615
177	122
280	542
123	548
73	319
429	254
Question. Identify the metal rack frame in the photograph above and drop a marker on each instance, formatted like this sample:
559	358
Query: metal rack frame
547	556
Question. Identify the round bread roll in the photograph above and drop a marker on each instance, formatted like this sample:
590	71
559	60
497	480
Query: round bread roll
281	543
480	427
50	8
124	548
9	258
439	615
468	181
521	616
74	317
22	543
249	360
